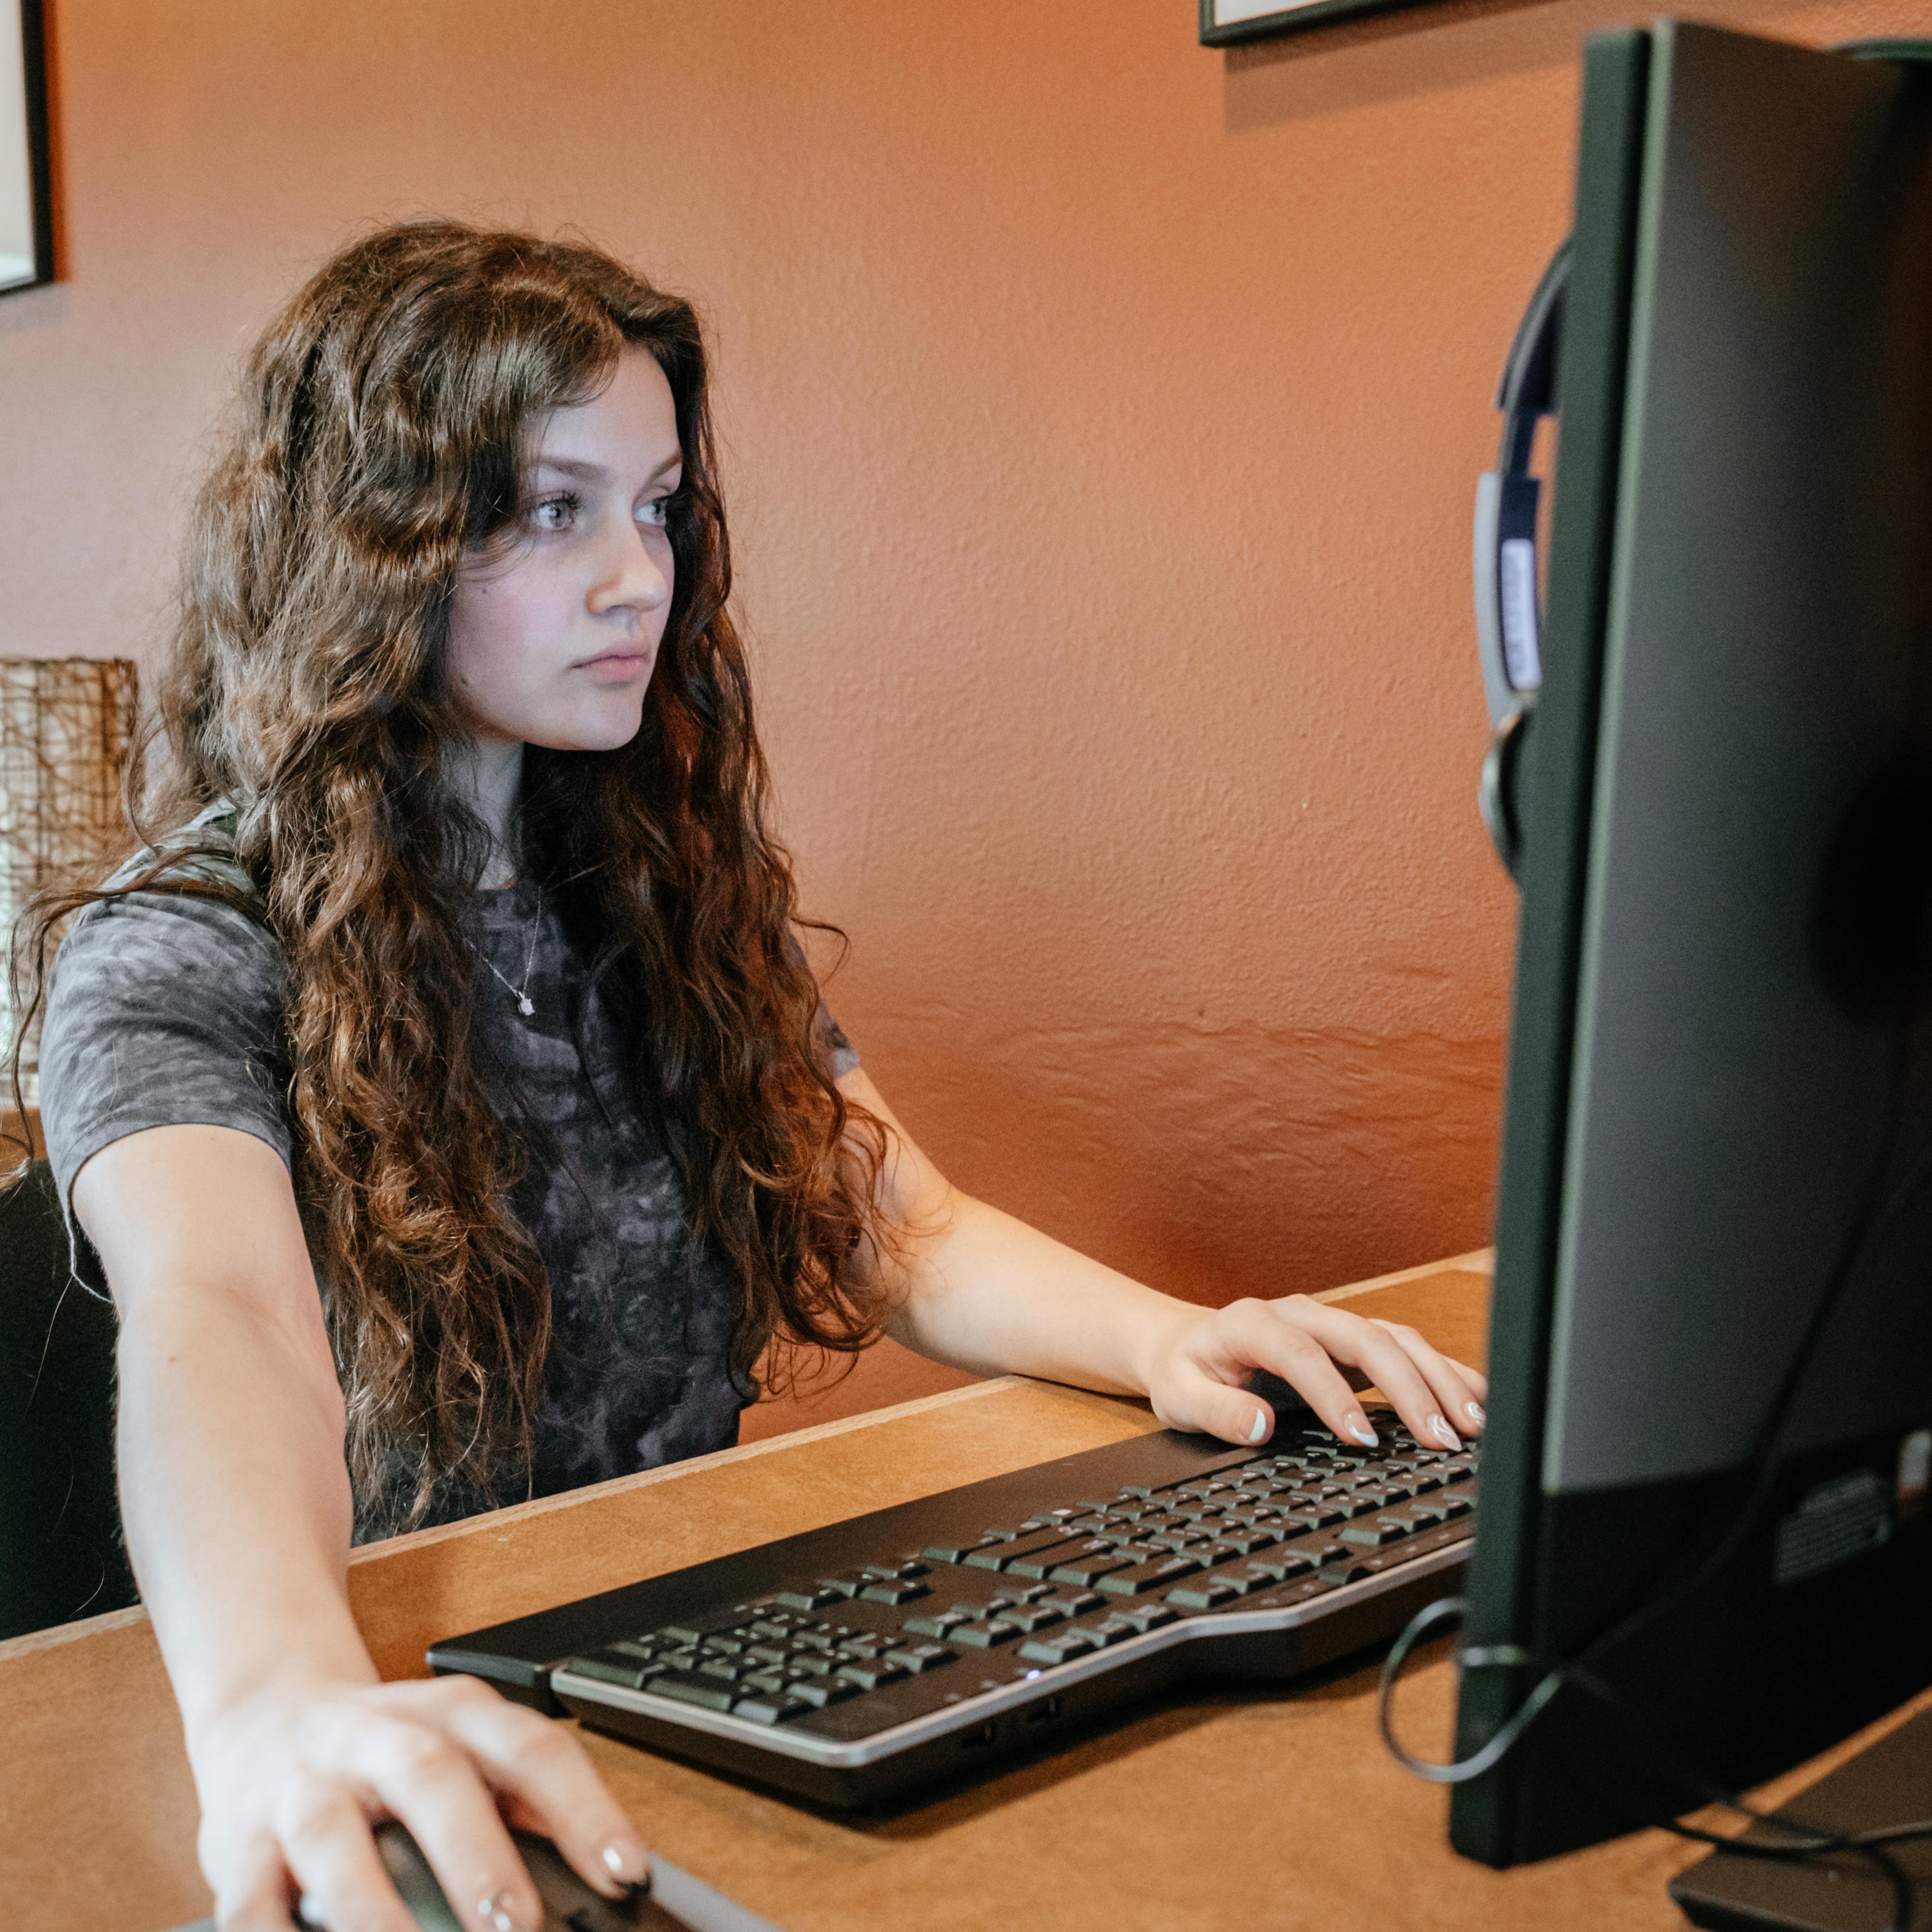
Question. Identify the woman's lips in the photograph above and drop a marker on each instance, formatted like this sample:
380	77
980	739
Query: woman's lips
617	665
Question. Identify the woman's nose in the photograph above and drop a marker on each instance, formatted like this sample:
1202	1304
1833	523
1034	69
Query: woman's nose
636	574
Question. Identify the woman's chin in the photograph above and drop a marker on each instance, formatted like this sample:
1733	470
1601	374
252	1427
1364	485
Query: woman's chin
607	728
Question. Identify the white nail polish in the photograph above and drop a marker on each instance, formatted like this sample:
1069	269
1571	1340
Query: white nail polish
1474	1410
631	1868
1438	1427
1258	1428
1362	1432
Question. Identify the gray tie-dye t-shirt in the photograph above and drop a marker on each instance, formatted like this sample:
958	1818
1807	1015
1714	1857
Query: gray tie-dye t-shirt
166	1010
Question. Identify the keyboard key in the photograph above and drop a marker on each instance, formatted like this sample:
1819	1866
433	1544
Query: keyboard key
1174	1541
1149	1576
1058	1649
726	1670
824	1690
1084	1570
918	1657
901	1591
1044	1562
705	1692
1339	1576
1006	1555
698	1628
815	1598
1034	1617
941	1623
769	1709
1373	1535
982	1637
1246	1542
606	1669
1279	1568
1311	1516
1076	1604
1145	1617
1210	1593
1220	1551
870	1676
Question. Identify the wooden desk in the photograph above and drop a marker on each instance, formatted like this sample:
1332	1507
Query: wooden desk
1244	1808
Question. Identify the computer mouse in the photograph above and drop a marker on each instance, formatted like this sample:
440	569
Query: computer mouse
670	1900
570	1905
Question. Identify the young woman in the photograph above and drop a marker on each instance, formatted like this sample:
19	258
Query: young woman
443	1089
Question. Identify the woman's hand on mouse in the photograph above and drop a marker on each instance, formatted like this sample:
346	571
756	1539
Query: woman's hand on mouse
292	1777
1200	1367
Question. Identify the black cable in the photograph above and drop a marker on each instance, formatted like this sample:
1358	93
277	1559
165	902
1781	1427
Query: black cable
1868	1225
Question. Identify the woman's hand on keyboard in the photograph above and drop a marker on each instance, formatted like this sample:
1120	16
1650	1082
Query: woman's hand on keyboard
1200	1368
292	1779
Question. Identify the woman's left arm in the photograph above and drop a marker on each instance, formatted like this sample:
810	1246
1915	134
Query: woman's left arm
977	1289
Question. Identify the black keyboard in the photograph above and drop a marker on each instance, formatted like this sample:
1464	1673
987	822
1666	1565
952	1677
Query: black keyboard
855	1662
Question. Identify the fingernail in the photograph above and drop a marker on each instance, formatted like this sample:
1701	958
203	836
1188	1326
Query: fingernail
1474	1410
1357	1427
1438	1427
1258	1428
495	1912
628	1864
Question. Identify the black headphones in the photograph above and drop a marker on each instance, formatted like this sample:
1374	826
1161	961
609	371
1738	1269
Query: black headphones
1508	619
1508	615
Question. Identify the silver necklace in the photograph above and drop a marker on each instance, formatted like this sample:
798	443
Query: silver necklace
520	993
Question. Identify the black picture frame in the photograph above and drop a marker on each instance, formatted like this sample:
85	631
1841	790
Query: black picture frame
40	167
1216	32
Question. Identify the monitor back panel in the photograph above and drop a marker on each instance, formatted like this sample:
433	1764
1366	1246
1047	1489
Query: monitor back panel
1701	1065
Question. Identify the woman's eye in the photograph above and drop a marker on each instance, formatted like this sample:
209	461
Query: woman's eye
555	513
656	513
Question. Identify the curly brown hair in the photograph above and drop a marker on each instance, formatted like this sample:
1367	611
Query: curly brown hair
382	435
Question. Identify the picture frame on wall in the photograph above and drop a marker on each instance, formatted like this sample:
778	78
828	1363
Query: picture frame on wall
26	199
1225	23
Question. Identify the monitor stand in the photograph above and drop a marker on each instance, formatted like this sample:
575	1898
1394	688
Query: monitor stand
1888	1783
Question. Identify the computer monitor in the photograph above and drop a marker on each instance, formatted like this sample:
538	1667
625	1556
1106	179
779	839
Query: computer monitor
1704	1475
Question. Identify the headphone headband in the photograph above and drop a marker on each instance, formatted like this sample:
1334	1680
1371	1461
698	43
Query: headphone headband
1507	498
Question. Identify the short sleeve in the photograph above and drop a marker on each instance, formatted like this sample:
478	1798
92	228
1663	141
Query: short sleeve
828	1037
164	1009
838	1053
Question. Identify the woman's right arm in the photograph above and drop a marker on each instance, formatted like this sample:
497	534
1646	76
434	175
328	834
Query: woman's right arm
235	1499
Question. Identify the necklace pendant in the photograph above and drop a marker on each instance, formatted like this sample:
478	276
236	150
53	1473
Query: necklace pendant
524	1005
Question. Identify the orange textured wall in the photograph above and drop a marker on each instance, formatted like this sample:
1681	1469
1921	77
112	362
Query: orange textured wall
1102	414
